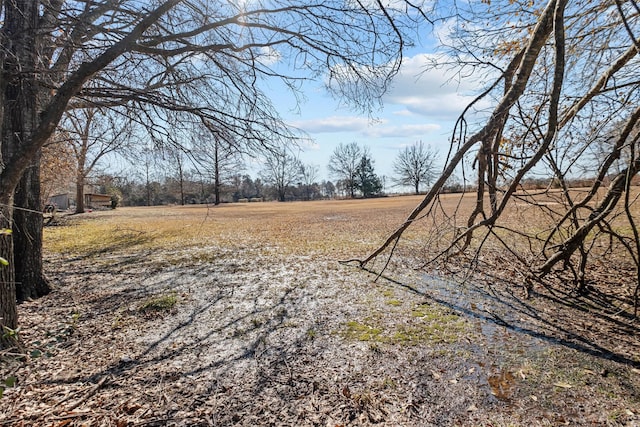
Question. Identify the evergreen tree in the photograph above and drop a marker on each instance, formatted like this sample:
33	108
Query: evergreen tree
366	180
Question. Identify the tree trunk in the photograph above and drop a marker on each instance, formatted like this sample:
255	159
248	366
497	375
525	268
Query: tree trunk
216	192
27	237
216	172
181	177
80	193
19	92
8	308
148	185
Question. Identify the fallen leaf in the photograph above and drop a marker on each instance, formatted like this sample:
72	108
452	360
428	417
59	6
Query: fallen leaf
435	375
562	385
346	392
472	408
131	408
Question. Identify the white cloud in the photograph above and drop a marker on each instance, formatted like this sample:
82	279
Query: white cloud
364	127
445	31
401	131
404	112
430	92
333	124
422	104
269	55
309	144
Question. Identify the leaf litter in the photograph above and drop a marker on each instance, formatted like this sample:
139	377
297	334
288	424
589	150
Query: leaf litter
256	333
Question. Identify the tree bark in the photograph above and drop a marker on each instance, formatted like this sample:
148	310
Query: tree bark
27	237
8	308
216	172
80	192
18	123
181	178
148	185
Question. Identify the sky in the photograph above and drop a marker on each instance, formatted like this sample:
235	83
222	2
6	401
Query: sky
422	105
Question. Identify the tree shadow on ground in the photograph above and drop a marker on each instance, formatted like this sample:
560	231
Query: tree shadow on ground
562	321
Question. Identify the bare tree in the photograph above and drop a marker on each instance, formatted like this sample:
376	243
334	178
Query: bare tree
178	158
218	155
170	57
93	133
415	165
149	160
309	175
280	170
555	96
344	163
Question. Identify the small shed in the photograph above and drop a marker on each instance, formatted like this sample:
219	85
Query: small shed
96	201
60	201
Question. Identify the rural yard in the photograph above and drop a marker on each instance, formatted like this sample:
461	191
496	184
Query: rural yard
166	287
242	314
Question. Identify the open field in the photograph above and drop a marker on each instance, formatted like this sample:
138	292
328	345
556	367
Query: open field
241	315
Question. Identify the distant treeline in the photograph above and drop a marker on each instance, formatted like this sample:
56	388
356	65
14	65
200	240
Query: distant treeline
239	188
543	183
245	189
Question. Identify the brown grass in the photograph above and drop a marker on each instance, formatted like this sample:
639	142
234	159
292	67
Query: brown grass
239	315
337	229
327	228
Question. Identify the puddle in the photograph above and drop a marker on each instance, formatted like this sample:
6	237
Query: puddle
502	333
501	385
501	319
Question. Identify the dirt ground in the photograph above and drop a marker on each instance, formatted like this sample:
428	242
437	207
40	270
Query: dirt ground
243	316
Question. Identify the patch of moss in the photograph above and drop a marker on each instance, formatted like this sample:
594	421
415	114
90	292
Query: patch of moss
394	302
431	312
159	303
362	332
426	324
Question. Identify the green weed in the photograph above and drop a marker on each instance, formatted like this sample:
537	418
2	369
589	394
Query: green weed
159	304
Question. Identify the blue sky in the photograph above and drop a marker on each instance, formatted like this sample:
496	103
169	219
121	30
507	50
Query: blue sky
421	105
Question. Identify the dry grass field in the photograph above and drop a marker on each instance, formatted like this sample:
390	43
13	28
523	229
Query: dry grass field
242	315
